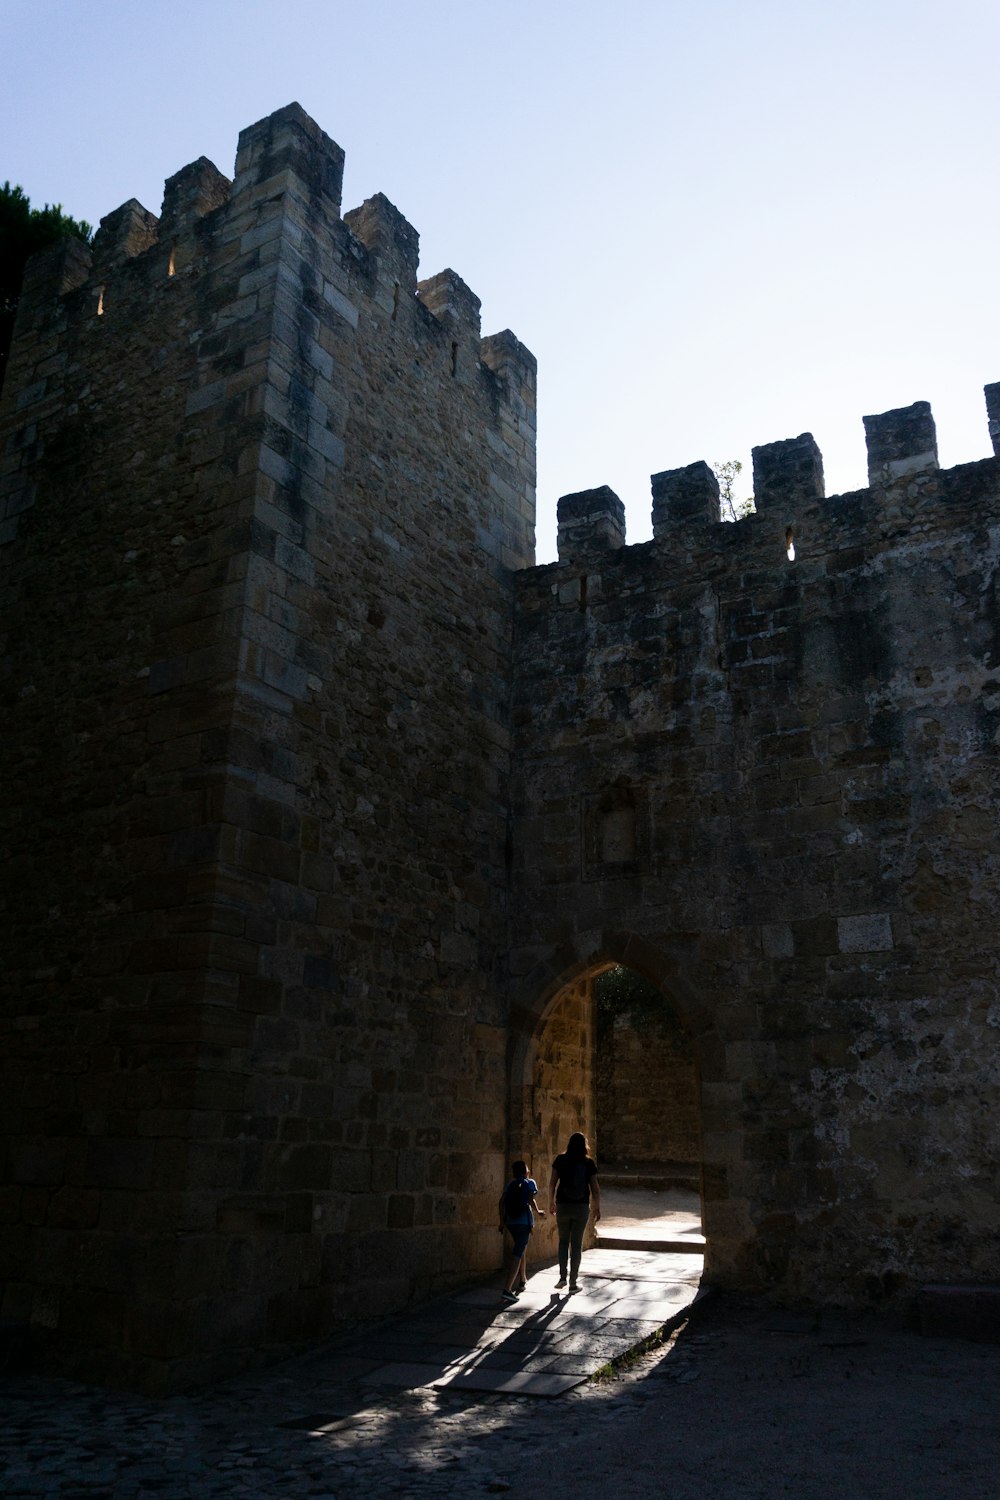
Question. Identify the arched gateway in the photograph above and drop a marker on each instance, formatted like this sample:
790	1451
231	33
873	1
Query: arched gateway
553	1065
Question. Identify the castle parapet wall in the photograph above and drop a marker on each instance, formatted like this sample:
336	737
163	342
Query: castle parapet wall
789	499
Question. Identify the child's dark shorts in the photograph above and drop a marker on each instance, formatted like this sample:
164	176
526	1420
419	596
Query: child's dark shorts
521	1234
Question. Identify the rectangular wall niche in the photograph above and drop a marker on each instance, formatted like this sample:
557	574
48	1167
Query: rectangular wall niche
615	833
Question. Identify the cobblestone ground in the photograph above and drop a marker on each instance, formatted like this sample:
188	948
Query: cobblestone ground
741	1403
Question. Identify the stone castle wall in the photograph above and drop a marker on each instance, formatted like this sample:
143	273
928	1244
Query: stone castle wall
647	1097
325	807
263	495
770	785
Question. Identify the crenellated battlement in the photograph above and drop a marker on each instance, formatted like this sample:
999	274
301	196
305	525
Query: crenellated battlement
787	478
231	266
287	187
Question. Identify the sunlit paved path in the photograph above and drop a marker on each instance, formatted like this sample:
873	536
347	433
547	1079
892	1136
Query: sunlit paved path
546	1343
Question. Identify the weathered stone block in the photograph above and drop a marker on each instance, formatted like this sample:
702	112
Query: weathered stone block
591	518
37	1160
401	1211
288	149
787	475
92	1318
123	234
901	443
865	934
680	495
451	301
777	940
190	194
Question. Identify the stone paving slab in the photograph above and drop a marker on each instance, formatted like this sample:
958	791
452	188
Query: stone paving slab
659	1310
402	1349
517	1383
548	1331
544	1343
530	1338
409	1376
482	1296
642	1265
463	1335
505	1358
562	1364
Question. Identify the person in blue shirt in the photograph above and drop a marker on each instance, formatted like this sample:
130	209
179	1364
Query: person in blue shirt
517	1213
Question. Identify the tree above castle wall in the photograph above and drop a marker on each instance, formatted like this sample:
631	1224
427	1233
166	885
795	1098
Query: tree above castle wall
23	232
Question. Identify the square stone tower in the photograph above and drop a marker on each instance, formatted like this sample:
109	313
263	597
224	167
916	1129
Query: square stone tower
264	492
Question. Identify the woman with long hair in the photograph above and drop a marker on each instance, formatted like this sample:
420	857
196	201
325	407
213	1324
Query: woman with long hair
574	1184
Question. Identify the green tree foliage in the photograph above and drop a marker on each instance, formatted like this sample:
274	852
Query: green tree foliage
623	992
727	474
23	231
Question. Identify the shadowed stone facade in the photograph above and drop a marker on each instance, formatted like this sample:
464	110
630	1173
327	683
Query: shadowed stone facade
324	807
806	754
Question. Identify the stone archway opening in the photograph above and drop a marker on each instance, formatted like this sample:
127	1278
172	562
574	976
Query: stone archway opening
648	1116
609	1054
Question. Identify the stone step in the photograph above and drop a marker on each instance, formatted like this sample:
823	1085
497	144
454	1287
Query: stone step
690	1244
659	1177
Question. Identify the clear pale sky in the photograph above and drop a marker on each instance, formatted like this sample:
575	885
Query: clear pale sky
716	224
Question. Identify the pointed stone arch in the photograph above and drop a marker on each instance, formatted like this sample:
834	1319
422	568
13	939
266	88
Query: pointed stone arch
558	993
590	953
